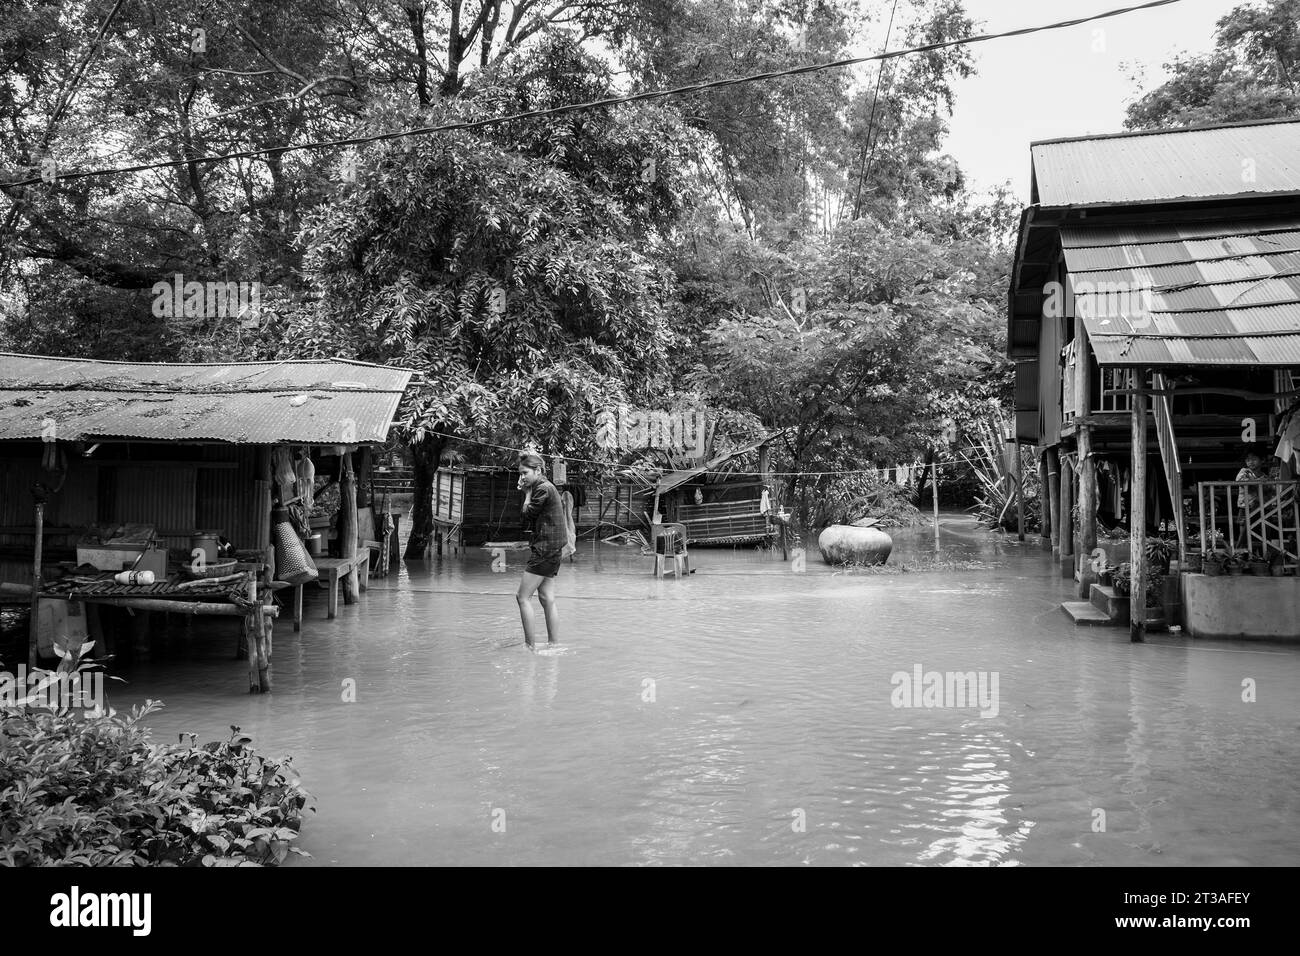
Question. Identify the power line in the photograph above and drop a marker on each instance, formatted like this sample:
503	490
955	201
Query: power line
953	456
66	100
871	122
594	104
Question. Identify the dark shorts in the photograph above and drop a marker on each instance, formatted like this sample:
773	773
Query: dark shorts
545	563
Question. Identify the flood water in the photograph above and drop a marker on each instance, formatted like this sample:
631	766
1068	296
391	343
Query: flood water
743	715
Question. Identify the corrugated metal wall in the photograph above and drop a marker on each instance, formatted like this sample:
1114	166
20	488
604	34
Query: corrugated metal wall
226	499
1028	425
176	497
1050	343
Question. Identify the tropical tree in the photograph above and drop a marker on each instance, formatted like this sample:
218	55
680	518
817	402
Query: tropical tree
1251	73
516	268
884	339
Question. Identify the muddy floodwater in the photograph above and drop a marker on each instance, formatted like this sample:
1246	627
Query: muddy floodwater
745	715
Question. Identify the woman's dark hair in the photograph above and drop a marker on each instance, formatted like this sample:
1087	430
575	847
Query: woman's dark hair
532	461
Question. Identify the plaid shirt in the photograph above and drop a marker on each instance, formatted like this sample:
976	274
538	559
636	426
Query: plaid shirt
543	513
1246	496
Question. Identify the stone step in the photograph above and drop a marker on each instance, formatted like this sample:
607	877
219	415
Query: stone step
1114	606
1084	614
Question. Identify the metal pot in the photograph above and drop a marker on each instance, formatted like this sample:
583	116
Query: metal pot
848	544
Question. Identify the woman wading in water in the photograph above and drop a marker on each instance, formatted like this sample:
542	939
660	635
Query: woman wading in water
543	512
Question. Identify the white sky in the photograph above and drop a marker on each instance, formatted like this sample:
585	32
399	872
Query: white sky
1054	83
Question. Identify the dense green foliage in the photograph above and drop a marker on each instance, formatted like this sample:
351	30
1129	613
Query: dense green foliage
1252	73
92	789
536	271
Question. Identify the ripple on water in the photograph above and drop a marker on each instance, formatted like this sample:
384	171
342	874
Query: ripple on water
744	715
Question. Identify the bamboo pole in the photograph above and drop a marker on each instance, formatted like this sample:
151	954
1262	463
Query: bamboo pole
934	496
1138	521
1020	490
348	527
38	493
1053	492
1087	467
184	608
252	627
1067	521
262	641
1044	504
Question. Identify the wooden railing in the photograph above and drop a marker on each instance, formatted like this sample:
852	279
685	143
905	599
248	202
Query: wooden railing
1270	520
1113	380
1162	411
394	481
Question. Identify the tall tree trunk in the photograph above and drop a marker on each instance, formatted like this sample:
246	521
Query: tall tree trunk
426	455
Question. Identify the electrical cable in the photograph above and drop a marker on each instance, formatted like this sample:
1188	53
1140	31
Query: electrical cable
871	121
955	458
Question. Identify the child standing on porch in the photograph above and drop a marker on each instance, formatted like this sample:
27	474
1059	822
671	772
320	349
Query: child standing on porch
1254	470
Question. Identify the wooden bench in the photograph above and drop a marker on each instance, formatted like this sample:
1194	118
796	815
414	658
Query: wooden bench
332	571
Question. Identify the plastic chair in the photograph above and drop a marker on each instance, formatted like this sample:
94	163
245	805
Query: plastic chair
669	544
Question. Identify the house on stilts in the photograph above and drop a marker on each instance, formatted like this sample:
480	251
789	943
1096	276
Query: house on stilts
1154	319
111	466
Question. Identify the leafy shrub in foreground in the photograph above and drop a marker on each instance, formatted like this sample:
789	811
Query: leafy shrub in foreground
92	789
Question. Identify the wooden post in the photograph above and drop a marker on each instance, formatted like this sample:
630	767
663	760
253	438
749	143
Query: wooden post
1020	491
1044	504
1067	521
141	641
934	496
38	493
1138	519
1053	492
263	635
348	526
262	489
252	627
1087	467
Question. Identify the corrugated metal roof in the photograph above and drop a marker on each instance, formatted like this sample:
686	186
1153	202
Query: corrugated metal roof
1203	294
36	371
1238	160
316	402
676	479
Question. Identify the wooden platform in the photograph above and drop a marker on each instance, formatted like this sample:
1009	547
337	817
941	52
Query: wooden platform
724	522
332	571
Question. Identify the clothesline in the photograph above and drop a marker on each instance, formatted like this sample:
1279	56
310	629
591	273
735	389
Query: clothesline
954	458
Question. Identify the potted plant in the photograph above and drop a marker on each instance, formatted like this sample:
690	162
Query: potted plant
1276	563
1237	563
1159	552
1212	563
1257	565
1123	579
1194	563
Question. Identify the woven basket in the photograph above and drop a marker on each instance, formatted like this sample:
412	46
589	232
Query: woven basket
217	570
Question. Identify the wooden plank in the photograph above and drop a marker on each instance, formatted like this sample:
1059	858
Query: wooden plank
1137	521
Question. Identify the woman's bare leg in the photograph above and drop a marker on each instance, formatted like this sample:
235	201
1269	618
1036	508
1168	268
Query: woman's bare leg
546	594
528	585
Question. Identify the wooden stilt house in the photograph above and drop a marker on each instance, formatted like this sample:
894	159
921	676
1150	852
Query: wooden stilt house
1155	324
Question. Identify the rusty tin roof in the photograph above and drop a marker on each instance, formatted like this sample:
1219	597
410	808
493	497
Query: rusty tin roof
298	401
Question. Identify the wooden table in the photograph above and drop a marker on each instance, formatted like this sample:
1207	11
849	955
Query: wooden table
332	570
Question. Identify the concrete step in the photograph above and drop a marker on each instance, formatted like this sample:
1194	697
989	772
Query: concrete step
1084	614
1114	606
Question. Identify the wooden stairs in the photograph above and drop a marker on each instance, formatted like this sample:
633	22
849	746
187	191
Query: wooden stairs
1105	608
